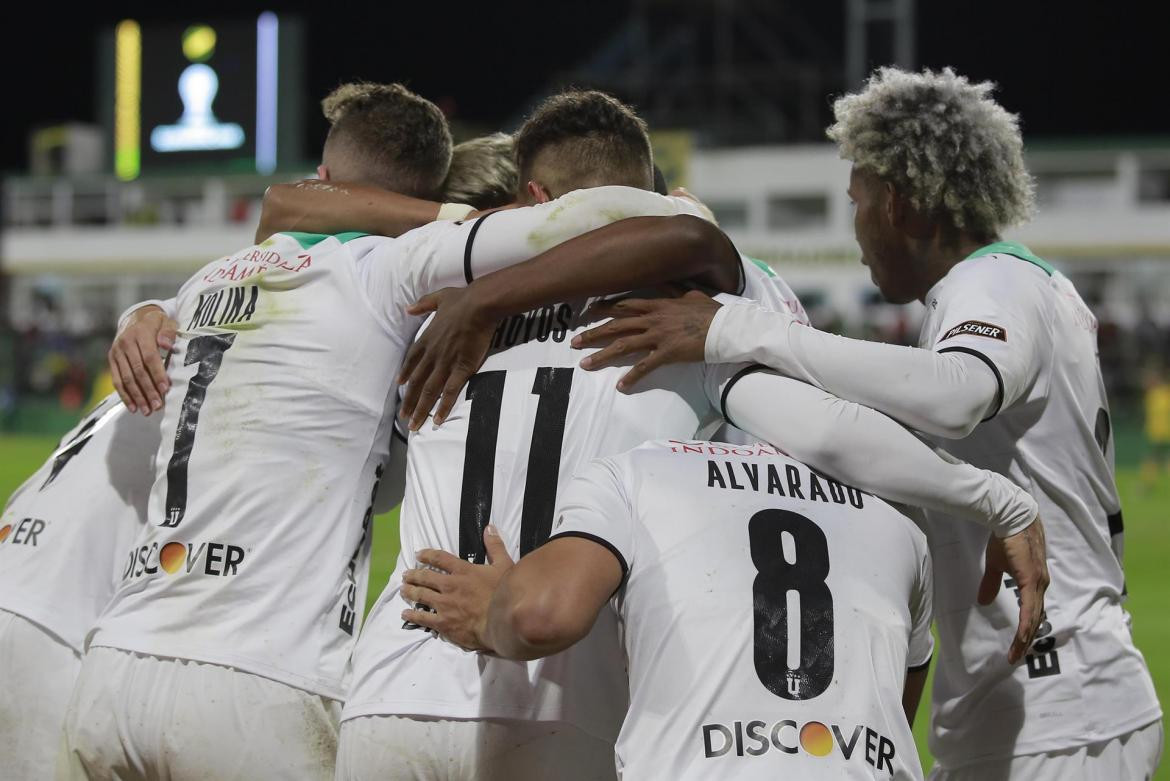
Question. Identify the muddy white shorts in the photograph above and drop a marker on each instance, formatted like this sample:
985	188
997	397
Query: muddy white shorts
134	717
37	671
1133	756
376	748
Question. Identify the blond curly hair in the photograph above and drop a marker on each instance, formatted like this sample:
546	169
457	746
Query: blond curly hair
943	142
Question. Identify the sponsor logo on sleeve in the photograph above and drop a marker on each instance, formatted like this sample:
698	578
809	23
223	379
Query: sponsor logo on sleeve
976	328
203	558
26	532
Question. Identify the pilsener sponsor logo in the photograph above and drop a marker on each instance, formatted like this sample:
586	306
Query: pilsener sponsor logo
977	328
757	738
203	558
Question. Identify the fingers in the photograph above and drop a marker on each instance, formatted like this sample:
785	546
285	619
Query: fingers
167	334
428	395
425	305
607	332
413	356
992	580
497	552
157	382
1031	612
626	307
619	349
414	386
423	618
643	367
423	578
130	384
441	559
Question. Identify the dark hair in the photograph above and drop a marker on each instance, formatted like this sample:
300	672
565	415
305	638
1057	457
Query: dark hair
386	135
584	138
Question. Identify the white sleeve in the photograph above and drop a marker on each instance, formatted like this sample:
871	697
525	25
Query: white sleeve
447	254
392	486
170	307
991	309
921	612
862	447
596	506
943	394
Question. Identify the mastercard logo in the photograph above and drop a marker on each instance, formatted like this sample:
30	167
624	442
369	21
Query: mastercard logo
4	532
816	739
172	556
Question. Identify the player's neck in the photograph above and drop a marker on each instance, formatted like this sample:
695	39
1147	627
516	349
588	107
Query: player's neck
940	257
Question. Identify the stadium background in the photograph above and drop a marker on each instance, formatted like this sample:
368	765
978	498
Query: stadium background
99	210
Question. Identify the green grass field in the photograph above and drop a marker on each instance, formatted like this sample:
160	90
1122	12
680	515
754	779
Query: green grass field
1147	549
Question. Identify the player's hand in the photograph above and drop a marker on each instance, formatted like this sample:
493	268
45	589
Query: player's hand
1022	556
136	359
459	594
445	355
668	330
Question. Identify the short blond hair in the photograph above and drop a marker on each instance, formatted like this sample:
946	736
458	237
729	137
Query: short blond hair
389	136
943	142
483	172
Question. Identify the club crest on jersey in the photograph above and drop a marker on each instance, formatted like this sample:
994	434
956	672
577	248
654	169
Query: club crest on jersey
756	738
216	559
25	532
976	328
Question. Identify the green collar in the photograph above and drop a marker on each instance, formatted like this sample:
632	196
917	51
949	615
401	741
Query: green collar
1016	250
307	240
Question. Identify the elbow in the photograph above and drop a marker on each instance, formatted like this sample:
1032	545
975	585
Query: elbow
540	627
706	252
957	421
272	207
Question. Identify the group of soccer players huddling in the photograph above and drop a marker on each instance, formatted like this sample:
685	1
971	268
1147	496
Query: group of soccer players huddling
653	524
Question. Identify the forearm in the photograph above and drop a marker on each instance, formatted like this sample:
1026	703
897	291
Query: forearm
325	207
912	693
868	450
946	394
630	254
506	631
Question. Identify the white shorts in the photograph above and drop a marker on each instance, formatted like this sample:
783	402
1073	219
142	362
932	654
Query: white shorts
1133	756
134	716
37	671
376	748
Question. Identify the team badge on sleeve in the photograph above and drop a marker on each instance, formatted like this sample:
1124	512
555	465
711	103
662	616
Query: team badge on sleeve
976	328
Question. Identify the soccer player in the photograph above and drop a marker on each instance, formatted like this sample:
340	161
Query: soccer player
244	593
769	634
422	708
1006	377
63	537
241	598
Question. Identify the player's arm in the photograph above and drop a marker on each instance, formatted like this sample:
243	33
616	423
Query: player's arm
551	598
146	331
317	206
633	253
912	692
870	451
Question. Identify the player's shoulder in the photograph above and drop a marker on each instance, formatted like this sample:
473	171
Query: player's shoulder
1003	266
763	285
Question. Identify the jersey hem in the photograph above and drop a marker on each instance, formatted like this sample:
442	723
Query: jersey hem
444	710
36	616
242	664
1054	745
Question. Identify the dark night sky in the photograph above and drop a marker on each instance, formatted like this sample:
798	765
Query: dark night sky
1071	68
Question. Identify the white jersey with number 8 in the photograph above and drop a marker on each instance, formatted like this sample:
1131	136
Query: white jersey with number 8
769	614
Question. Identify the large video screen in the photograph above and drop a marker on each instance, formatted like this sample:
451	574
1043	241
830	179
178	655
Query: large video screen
197	94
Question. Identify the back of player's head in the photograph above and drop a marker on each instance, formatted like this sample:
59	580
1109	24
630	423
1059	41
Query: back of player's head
584	138
387	136
483	172
943	142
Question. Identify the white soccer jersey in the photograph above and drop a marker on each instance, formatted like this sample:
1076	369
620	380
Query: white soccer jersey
276	430
1084	681
63	533
527	421
769	615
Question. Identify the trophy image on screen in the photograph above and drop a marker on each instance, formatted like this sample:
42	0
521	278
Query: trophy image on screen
197	129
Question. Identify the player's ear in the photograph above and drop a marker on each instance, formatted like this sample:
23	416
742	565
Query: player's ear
323	172
538	192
